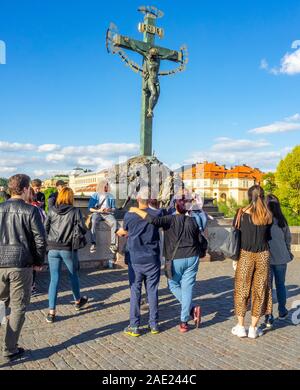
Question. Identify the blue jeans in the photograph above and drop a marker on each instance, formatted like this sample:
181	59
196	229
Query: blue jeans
183	282
55	259
278	272
150	275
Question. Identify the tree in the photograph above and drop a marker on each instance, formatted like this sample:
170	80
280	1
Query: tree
47	193
3	182
288	184
269	183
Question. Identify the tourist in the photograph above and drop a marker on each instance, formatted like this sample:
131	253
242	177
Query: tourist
22	248
281	255
253	267
183	245
60	184
143	264
30	199
196	211
36	184
60	224
102	204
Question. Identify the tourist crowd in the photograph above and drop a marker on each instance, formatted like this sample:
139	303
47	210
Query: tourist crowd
27	235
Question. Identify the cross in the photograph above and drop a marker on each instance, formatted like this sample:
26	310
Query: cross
152	55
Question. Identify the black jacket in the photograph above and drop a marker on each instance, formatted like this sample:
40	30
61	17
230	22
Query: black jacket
59	226
191	240
22	235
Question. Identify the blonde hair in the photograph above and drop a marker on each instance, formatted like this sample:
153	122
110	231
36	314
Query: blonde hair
66	197
258	209
101	185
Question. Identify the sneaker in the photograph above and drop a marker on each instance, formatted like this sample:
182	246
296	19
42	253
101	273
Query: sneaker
154	329
284	317
113	248
34	291
50	318
196	314
239	331
93	248
269	321
14	356
184	327
253	333
81	304
132	331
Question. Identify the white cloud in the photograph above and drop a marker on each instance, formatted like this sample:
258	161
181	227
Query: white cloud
47	148
36	160
228	144
288	124
15	147
289	64
264	160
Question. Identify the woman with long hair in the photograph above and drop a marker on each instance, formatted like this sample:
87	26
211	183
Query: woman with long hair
60	224
281	255
252	279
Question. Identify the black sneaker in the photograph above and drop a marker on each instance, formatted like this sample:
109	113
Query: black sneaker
34	291
50	318
81	304
284	317
14	356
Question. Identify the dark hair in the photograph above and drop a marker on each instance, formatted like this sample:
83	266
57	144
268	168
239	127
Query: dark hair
258	209
181	205
60	183
274	206
36	183
17	183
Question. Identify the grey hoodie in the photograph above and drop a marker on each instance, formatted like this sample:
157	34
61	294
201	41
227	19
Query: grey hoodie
280	244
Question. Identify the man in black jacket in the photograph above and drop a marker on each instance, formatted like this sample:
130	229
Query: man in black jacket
22	249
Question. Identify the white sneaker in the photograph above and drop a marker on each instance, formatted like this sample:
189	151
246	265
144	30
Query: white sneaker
239	331
255	332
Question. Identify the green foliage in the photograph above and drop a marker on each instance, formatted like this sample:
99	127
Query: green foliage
3	182
269	185
47	193
2	199
288	186
228	208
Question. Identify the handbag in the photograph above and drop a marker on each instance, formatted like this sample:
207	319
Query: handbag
78	238
231	247
169	263
203	245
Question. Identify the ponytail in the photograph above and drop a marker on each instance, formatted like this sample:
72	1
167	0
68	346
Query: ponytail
258	208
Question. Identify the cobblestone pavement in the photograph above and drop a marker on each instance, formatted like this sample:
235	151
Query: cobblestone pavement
94	339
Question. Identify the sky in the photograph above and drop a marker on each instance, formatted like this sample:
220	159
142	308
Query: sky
65	102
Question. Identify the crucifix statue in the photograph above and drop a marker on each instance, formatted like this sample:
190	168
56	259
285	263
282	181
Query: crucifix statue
150	71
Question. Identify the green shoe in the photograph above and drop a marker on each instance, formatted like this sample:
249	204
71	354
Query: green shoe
132	331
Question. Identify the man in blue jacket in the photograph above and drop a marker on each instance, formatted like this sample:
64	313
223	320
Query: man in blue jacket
143	264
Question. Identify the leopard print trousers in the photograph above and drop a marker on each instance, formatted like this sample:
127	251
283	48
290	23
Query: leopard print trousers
253	280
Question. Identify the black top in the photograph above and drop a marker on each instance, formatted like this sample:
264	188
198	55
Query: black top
59	226
40	197
254	238
172	225
23	237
